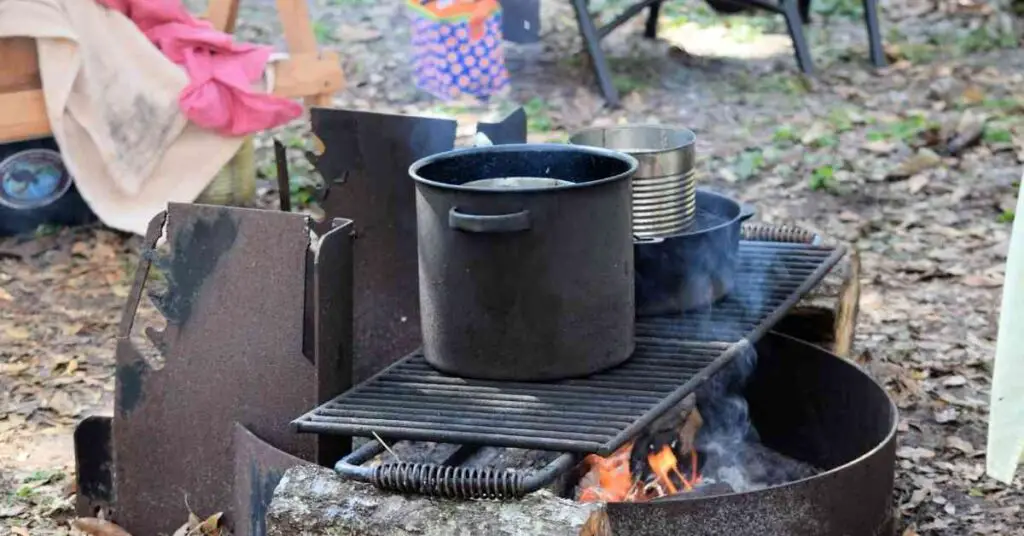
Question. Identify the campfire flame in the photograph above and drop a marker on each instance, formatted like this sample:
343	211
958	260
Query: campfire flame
611	479
664	464
614	482
663	461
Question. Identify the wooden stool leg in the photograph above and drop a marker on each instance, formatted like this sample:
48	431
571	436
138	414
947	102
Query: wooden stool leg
222	14
298	34
308	72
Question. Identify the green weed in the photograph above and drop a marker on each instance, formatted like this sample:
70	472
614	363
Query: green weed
627	84
322	32
537	118
995	134
785	134
984	39
837	8
823	178
749	163
905	129
840	120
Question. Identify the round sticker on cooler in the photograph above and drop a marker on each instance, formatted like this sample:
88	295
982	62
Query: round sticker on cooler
33	178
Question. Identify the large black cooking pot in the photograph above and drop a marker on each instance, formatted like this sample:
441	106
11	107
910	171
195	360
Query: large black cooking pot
695	268
532	282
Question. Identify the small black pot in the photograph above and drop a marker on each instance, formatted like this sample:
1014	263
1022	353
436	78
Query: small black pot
692	269
48	201
529	283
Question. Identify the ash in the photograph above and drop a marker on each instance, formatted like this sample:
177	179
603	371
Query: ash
755	467
734	453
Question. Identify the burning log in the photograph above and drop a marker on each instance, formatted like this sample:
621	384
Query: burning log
315	501
827	316
662	461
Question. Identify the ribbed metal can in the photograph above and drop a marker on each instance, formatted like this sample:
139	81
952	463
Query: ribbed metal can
664	186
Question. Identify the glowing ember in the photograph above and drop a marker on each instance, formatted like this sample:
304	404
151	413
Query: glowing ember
614	483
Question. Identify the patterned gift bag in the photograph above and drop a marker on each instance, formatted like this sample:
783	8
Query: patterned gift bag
458	48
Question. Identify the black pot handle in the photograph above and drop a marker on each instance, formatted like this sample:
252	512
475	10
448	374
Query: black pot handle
487	223
747	211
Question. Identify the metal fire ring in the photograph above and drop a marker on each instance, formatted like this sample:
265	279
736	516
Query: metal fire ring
811	405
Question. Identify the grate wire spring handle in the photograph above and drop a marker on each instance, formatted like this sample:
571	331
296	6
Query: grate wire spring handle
763	232
449	482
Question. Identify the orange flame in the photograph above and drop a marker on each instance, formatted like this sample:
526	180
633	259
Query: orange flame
614	482
664	464
610	480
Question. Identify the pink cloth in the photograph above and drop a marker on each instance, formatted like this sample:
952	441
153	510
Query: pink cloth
221	73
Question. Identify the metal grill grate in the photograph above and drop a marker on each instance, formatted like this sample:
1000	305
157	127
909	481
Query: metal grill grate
674	355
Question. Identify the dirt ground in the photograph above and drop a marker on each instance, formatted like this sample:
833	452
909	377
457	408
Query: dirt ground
916	165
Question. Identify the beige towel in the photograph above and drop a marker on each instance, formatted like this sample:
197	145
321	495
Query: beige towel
112	102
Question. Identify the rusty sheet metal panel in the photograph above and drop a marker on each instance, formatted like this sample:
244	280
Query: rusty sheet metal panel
511	129
232	352
520	20
332	326
259	466
366	160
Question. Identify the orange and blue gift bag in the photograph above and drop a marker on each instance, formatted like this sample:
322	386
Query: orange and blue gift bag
458	49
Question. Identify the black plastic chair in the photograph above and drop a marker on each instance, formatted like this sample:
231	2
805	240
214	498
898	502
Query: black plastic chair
796	12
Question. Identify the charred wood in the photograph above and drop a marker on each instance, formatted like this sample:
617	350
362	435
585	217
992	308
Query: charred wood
677	429
827	316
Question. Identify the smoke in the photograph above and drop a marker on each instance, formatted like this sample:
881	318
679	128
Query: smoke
728	439
764	277
728	434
